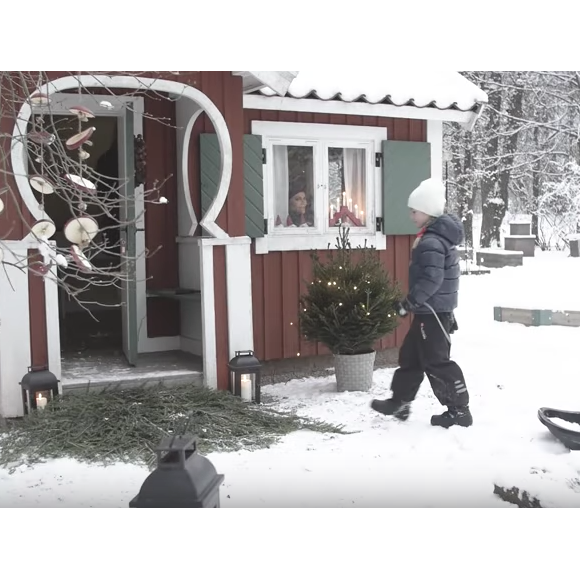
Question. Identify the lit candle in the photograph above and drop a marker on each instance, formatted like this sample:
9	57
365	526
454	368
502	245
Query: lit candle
362	217
350	204
356	210
41	401
344	198
246	390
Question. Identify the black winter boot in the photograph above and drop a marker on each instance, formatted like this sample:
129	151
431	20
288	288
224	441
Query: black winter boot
398	409
460	416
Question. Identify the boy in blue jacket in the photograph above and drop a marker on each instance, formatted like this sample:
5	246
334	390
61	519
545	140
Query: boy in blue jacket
433	288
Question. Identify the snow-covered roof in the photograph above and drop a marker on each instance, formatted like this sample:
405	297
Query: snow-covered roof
435	89
277	81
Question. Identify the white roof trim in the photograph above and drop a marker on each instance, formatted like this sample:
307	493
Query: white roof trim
276	81
465	118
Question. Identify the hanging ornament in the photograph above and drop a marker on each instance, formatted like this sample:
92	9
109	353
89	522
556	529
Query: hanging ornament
43	229
79	139
82	113
80	259
42	184
1	206
83	155
81	183
41	137
39	99
43	269
80	231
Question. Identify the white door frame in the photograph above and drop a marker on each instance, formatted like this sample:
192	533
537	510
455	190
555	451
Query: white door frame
60	105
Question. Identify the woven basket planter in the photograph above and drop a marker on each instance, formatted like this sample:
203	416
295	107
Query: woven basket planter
354	372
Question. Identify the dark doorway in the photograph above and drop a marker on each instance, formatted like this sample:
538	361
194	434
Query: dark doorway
93	321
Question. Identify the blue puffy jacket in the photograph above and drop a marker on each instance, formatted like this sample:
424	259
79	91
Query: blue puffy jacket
434	271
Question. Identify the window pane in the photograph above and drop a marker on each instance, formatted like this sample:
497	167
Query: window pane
293	186
347	186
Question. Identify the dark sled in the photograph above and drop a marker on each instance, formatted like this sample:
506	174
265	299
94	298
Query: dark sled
571	439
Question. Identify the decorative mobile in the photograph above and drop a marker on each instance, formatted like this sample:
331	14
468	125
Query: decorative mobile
81	229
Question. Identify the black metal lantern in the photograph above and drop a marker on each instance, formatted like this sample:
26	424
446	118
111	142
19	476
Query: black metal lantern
38	387
245	371
182	479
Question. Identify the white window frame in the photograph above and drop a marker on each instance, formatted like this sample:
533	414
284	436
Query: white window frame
321	136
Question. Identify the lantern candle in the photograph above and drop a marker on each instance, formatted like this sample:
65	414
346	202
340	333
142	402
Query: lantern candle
246	388
41	401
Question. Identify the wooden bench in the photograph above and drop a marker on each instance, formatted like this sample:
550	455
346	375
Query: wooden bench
498	258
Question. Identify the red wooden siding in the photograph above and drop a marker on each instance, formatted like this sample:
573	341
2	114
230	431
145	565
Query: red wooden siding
278	277
161	219
37	308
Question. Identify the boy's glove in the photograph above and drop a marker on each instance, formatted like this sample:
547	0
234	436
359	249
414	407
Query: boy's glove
454	327
404	307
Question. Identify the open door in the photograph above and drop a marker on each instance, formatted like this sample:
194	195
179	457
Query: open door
128	227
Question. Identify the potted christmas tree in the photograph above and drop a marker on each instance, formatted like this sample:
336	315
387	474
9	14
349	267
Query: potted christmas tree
349	305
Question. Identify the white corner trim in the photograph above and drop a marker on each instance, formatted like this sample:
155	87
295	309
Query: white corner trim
15	356
363	109
239	298
435	138
52	309
208	317
18	149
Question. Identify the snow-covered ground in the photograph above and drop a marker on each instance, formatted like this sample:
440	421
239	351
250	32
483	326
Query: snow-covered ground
511	371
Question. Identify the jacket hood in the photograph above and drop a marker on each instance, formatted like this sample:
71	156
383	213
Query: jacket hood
448	227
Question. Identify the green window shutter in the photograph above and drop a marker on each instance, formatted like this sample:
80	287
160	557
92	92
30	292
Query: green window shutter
209	169
405	165
254	186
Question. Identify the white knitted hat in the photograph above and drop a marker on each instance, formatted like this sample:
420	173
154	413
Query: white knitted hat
429	198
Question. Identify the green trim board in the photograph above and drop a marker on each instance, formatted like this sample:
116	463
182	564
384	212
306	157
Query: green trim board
537	317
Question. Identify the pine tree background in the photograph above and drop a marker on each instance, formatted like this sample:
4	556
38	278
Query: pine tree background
351	302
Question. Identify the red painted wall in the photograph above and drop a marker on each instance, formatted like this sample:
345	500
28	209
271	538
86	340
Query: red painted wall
278	277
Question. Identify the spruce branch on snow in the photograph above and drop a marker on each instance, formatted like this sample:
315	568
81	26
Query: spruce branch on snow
126	425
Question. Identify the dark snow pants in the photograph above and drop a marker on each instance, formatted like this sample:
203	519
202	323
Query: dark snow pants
425	350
